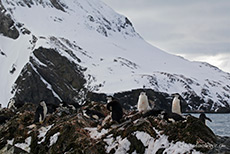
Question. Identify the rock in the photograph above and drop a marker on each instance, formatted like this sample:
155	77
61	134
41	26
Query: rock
7	25
9	149
222	146
128	99
72	132
65	78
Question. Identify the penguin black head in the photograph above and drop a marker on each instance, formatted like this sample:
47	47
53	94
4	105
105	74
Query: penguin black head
110	99
143	93
42	103
203	118
176	95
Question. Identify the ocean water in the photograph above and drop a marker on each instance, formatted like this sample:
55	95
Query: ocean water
220	124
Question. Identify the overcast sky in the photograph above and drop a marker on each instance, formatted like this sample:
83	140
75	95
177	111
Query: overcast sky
195	29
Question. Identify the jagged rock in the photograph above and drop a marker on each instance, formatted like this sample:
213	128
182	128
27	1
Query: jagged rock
7	25
222	146
65	78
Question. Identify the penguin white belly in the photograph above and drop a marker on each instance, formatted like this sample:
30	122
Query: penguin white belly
176	106
142	105
40	118
45	111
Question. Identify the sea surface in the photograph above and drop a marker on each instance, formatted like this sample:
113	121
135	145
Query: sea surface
220	124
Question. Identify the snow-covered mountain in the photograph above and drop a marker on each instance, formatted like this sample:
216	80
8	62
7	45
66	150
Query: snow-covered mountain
57	50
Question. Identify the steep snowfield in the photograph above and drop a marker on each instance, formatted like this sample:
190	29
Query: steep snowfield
116	57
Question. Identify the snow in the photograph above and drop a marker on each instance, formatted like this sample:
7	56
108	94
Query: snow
123	146
25	146
118	58
54	138
16	55
161	141
120	145
95	134
42	133
152	144
10	142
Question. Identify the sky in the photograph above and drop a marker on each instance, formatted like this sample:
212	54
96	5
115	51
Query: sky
198	30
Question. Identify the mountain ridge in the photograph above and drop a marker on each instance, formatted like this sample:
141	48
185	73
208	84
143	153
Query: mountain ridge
114	57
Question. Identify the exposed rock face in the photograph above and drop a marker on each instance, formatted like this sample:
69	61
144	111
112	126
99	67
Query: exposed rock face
57	4
69	131
128	99
7	25
156	99
63	77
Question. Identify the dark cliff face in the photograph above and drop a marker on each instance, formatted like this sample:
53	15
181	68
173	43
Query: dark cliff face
158	100
7	25
129	99
50	77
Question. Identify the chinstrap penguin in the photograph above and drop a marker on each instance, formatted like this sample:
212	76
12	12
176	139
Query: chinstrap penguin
11	105
176	107
172	117
143	104
41	112
115	107
203	118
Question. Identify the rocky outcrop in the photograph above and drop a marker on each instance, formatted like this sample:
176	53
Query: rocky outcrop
72	131
50	77
7	25
128	99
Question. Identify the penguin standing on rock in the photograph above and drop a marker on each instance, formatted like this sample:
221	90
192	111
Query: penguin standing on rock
203	118
176	108
11	105
41	112
115	107
172	117
143	104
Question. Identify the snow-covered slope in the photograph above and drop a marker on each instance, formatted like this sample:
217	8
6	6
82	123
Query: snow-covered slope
93	36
